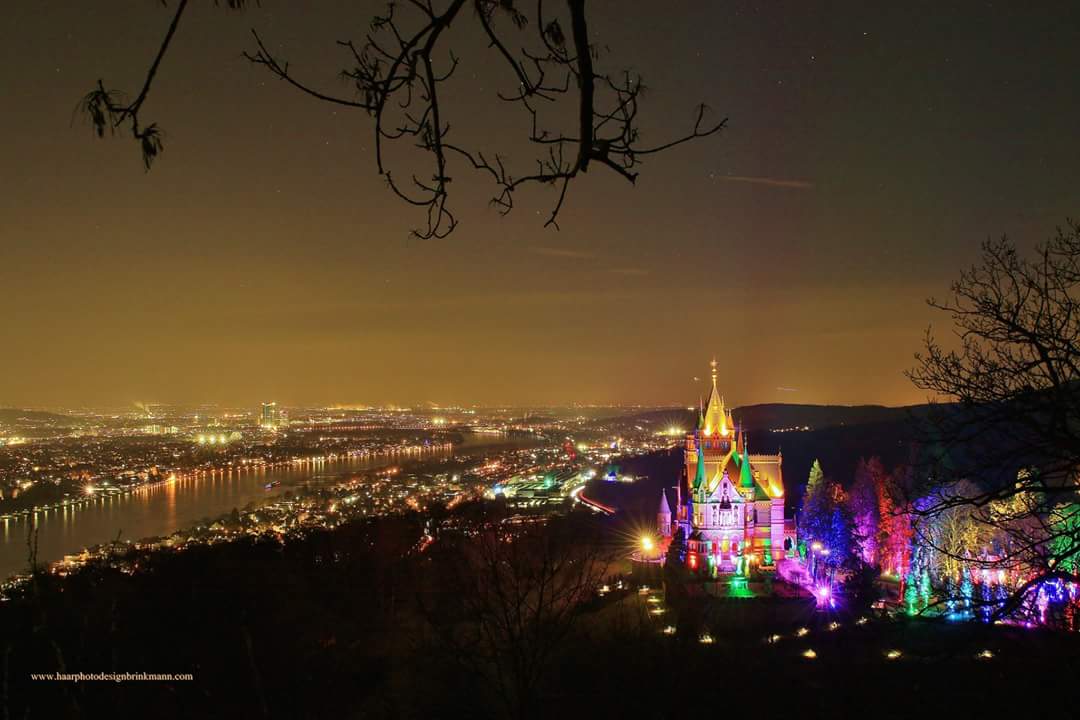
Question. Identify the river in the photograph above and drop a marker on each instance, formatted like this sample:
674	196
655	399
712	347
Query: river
164	508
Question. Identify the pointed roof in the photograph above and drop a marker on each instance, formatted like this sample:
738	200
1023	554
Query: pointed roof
665	509
699	476
717	419
746	475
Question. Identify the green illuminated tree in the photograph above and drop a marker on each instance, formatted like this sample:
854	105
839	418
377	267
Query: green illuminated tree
816	507
1065	546
966	592
925	589
911	594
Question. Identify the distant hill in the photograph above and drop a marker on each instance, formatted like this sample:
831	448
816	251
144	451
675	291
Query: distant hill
783	416
836	435
778	416
15	416
661	417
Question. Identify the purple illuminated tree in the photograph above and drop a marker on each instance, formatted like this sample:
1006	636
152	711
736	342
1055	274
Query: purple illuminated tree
864	510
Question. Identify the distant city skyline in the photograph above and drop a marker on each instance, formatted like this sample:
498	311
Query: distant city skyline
256	408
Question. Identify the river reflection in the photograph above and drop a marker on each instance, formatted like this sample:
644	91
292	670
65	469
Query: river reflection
166	507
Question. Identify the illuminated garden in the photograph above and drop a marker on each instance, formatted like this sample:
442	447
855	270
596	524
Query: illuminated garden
882	541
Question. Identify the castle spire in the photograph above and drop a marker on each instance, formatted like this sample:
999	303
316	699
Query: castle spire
716	418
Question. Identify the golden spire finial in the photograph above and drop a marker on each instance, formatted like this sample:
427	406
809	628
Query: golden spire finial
714	412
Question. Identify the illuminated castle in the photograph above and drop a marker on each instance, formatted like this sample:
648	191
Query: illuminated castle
729	503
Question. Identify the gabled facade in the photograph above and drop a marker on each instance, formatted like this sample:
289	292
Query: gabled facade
729	503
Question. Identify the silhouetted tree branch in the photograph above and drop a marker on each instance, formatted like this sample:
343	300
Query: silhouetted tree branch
1007	453
396	72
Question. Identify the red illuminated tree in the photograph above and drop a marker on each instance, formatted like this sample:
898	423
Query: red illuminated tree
894	524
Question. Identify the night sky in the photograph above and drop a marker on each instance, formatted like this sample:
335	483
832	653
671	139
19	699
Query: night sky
871	147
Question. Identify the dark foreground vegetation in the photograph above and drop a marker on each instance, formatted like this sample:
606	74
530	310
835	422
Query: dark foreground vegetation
487	619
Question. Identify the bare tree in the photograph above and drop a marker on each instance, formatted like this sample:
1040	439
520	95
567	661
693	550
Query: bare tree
396	72
515	594
1007	450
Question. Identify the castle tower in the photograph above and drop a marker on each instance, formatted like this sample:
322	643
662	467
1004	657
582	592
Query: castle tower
663	516
734	511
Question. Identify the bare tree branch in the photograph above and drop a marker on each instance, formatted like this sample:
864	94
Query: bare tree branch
1007	454
396	71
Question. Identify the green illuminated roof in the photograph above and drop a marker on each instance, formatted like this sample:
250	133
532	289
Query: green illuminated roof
699	476
746	477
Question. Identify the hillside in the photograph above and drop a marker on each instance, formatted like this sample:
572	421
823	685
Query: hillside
775	416
16	416
837	436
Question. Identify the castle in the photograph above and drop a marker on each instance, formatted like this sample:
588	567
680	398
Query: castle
729	503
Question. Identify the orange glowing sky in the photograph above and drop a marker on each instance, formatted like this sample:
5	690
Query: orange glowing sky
869	152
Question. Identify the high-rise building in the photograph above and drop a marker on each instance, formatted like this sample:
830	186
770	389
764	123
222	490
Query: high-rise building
269	418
